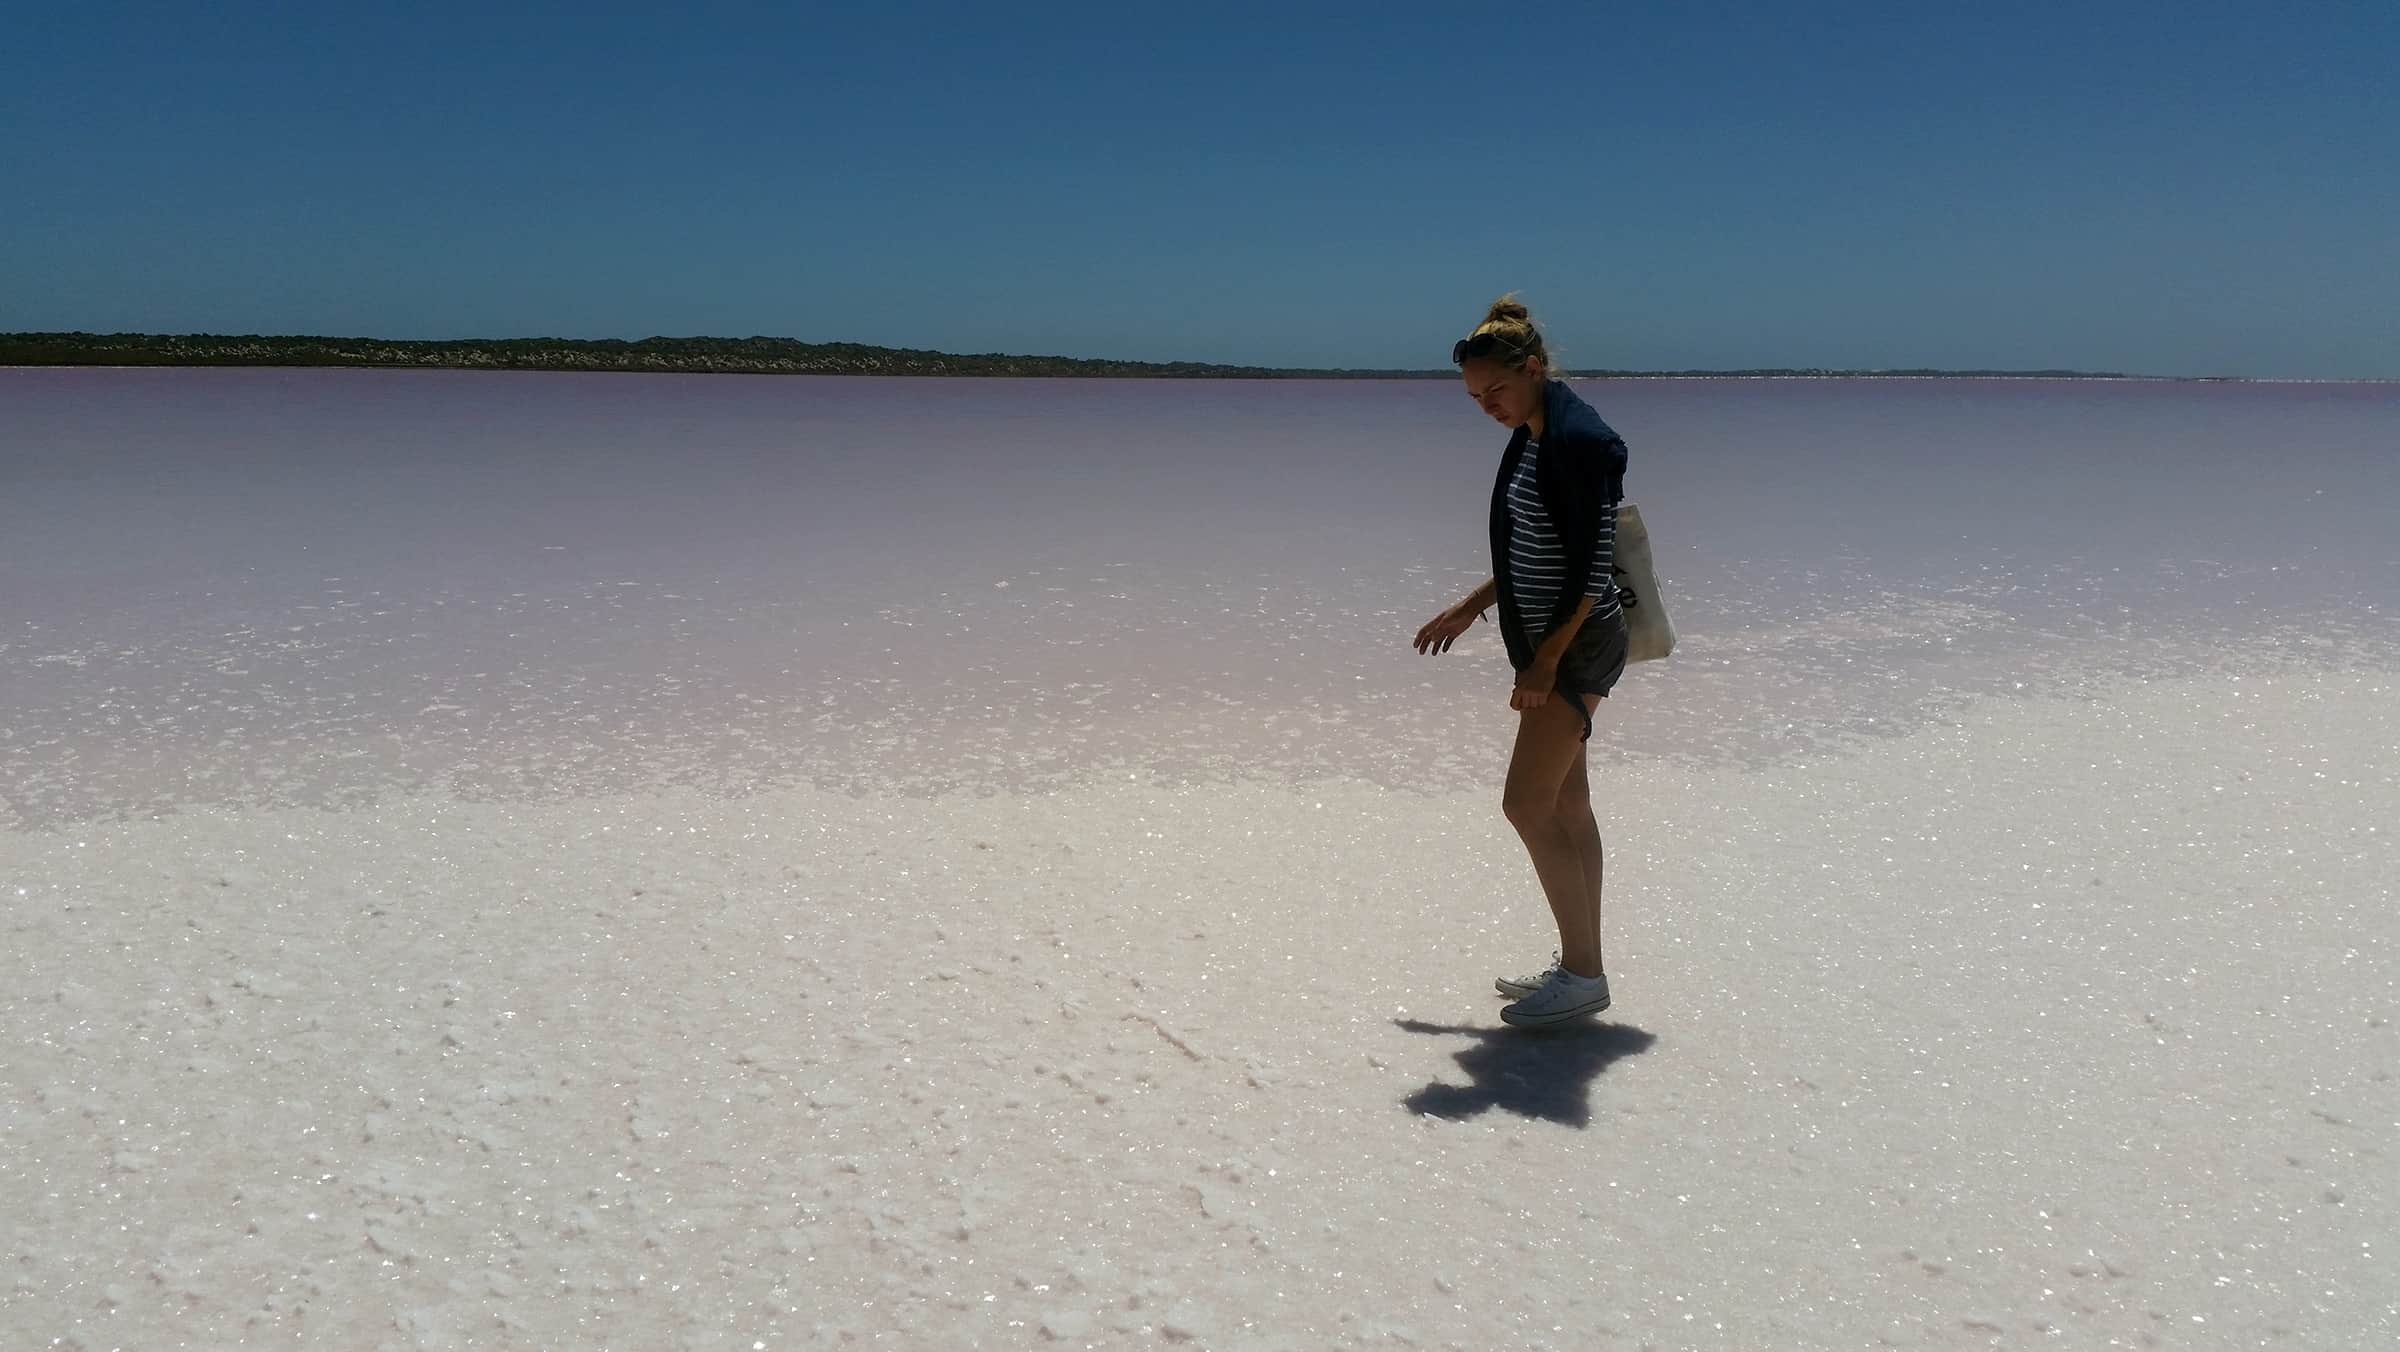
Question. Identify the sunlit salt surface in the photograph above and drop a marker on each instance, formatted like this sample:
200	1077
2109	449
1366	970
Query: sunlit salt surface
572	861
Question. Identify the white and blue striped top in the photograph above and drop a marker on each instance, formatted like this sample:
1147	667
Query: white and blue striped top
1538	564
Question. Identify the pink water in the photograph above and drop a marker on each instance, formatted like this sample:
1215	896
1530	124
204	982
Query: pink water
318	586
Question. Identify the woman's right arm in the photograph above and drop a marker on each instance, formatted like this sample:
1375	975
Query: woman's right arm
1444	629
1483	597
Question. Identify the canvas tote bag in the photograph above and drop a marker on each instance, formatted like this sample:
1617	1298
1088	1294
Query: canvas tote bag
1650	635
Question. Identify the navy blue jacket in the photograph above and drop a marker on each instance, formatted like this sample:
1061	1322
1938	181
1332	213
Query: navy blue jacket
1580	476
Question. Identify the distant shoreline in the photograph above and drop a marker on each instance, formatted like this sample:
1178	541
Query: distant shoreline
785	356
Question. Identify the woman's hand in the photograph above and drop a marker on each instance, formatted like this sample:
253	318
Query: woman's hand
1443	629
1534	685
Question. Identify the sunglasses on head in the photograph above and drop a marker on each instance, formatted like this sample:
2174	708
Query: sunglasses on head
1480	346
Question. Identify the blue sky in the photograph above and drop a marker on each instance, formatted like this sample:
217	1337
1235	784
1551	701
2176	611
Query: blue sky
2190	188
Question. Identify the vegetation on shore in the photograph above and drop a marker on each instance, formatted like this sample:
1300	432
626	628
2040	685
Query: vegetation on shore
750	356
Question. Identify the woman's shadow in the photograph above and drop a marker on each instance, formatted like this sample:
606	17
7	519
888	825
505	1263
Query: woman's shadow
1546	1074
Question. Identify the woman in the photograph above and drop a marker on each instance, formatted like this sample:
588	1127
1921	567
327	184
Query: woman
1553	530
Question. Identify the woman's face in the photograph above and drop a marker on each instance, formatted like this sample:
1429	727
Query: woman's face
1510	397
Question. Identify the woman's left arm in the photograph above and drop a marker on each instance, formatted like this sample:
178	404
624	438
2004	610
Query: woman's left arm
1554	645
1534	682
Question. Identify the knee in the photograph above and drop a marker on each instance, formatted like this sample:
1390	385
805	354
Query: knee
1574	812
1527	811
1575	816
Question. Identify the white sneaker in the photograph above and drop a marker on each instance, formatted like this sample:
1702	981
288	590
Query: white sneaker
1562	997
1518	987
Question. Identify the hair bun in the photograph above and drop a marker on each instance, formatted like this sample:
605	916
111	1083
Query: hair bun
1506	335
1508	308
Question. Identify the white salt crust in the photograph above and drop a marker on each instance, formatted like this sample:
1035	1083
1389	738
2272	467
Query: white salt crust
2057	1021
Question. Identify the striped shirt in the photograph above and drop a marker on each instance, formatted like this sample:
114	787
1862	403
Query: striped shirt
1537	563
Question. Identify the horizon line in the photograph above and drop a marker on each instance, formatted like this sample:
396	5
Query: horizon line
1186	367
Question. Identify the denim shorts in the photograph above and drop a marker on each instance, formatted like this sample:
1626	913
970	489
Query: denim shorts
1592	664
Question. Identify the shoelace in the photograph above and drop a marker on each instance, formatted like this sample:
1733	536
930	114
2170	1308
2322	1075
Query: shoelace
1561	979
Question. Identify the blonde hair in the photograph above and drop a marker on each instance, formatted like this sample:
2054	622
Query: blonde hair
1506	336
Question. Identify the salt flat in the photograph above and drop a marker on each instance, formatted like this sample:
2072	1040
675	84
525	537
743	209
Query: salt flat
501	861
2064	1020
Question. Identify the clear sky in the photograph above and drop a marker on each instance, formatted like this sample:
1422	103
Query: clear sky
2186	188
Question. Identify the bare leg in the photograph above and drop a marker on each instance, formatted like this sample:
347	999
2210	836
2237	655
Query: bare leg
1575	810
1548	747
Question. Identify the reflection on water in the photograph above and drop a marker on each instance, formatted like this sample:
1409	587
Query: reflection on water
318	586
